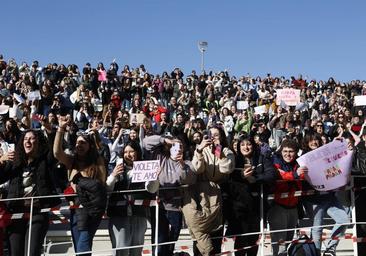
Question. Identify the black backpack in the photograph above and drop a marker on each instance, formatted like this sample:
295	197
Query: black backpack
302	247
359	160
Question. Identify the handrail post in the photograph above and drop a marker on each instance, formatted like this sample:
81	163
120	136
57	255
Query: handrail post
30	227
353	213
262	221
156	223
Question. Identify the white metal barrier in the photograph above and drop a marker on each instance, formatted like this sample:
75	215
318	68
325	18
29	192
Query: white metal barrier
262	231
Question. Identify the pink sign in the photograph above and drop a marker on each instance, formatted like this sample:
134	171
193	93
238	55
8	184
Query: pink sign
329	166
291	97
102	75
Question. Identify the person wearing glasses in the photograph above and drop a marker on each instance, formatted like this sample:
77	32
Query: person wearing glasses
319	129
87	176
283	213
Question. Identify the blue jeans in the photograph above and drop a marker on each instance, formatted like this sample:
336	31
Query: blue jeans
126	104
328	204
170	224
83	239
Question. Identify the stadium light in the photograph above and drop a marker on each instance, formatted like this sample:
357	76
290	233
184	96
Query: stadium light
202	46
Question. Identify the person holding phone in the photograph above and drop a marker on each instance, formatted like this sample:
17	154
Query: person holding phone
127	223
241	193
175	171
213	161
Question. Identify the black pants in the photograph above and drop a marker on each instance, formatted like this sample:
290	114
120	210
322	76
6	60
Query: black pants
361	214
216	243
250	225
18	229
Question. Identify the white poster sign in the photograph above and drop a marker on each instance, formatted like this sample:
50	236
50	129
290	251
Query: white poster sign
241	105
260	110
329	166
360	100
145	170
34	95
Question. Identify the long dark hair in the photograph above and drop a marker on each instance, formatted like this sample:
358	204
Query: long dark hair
92	154
136	146
223	140
239	157
309	136
13	134
42	148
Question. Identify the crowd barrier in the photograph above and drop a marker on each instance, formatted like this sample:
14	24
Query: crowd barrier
263	233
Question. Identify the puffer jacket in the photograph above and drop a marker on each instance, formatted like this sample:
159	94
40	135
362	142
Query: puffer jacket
40	169
288	181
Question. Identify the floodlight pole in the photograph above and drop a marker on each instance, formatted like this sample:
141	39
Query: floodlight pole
202	46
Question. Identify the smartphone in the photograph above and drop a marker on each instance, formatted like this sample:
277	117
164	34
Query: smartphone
119	161
11	147
127	131
174	150
207	135
217	150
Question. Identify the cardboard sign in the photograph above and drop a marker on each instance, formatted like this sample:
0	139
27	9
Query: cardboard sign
137	118
329	166
15	113
145	171
291	97
260	110
360	100
241	105
35	95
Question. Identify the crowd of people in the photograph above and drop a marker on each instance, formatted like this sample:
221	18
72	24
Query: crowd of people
66	130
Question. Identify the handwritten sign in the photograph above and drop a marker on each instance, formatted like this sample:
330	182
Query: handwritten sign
145	171
260	110
241	105
360	100
291	97
137	118
329	166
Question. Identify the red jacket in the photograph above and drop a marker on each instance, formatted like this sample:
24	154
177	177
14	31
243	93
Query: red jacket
288	182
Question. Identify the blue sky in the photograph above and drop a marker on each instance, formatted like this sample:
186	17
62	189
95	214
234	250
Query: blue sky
316	38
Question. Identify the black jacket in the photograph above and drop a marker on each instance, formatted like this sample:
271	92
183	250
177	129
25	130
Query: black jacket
118	202
241	198
40	169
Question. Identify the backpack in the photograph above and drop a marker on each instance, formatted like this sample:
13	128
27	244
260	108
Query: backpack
359	162
302	247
